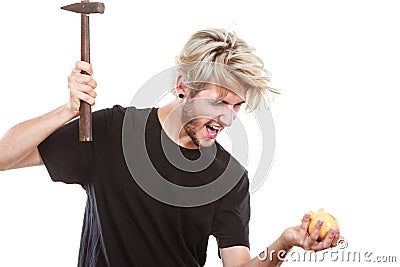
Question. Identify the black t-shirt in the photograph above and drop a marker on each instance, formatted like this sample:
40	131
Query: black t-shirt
124	225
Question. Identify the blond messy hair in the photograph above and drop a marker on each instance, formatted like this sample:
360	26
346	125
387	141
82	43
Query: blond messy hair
220	56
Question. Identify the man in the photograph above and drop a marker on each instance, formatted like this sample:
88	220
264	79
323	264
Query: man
139	157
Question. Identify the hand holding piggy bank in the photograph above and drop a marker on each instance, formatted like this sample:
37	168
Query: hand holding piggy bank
328	219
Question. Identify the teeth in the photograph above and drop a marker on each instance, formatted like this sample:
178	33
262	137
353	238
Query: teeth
217	128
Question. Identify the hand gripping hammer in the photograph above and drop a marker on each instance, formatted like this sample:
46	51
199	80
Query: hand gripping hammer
85	8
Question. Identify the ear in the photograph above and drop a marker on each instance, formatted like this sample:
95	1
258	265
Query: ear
181	87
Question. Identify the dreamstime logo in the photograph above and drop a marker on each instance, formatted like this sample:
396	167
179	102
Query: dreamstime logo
342	244
137	157
338	254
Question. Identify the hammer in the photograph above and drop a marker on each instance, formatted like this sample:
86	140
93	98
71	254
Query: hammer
85	8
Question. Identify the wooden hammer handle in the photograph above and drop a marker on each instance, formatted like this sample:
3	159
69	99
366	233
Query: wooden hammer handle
85	110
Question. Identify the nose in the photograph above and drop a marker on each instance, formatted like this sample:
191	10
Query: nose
227	117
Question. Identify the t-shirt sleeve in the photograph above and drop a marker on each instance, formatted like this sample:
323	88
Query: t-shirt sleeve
231	224
66	158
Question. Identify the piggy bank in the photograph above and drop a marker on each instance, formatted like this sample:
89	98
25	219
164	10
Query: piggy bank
329	222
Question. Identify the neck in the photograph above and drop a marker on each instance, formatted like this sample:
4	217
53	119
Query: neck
170	118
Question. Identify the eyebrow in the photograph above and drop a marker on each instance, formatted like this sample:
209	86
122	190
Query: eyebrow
237	104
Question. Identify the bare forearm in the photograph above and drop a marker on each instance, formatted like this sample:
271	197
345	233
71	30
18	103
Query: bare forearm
24	137
272	256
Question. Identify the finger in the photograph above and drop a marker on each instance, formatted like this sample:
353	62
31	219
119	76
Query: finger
313	237
337	238
83	88
75	70
305	222
92	82
83	92
327	242
82	79
82	66
84	97
79	78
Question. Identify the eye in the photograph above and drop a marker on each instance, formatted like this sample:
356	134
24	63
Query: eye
219	102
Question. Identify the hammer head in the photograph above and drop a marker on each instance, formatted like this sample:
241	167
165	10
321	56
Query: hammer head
85	7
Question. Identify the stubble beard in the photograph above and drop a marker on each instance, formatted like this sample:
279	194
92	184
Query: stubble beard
192	124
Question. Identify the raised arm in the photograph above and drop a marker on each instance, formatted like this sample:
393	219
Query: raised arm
18	147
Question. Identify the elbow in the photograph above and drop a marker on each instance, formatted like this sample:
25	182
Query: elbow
3	166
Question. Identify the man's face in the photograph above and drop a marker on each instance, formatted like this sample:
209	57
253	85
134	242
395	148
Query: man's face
206	114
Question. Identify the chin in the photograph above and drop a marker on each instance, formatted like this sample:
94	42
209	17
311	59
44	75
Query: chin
206	142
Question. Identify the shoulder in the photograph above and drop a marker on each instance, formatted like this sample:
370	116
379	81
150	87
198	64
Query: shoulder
114	110
118	112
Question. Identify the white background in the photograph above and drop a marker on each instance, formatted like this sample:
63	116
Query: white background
336	121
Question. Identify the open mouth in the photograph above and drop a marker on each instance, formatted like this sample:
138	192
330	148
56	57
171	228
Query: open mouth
212	130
